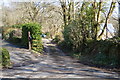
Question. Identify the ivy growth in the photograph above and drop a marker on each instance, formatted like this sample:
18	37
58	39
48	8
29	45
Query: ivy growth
35	32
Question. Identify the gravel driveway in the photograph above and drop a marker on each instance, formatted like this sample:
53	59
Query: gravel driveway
52	64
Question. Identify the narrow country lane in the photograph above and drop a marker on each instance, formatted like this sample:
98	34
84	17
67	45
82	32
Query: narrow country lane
52	64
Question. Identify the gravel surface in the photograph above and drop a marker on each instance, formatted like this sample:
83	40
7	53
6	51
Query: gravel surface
52	64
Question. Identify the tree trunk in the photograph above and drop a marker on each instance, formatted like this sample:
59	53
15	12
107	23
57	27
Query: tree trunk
119	20
94	28
63	5
69	12
98	19
108	15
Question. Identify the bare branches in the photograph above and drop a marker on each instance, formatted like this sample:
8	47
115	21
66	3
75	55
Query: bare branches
108	15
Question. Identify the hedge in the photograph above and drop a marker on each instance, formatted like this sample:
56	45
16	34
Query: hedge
35	32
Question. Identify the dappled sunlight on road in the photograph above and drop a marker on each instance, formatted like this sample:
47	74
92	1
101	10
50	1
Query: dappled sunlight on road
52	64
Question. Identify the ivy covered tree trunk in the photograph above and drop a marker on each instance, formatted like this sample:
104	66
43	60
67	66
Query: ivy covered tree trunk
98	19
97	8
63	5
68	11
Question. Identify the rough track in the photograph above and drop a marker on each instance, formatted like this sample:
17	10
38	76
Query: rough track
52	64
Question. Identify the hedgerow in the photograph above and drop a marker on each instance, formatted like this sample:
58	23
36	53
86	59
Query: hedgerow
35	32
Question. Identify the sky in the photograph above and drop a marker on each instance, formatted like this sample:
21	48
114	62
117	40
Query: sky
7	3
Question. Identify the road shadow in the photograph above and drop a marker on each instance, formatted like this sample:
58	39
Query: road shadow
8	44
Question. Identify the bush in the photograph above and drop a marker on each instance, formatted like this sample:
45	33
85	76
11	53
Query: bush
73	35
35	32
103	52
56	39
47	35
17	26
103	59
15	36
15	33
4	58
8	33
5	32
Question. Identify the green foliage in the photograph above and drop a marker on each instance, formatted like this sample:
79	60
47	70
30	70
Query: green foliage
78	31
4	58
103	59
8	31
56	39
35	32
76	55
72	35
14	36
5	32
103	52
17	26
80	35
10	34
47	35
1	29
63	45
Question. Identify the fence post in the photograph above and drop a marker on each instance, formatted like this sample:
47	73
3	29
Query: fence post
29	40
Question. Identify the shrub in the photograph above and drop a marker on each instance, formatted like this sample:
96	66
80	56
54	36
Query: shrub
72	35
104	52
76	35
17	26
15	36
5	58
5	32
56	39
15	33
47	35
8	33
35	32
